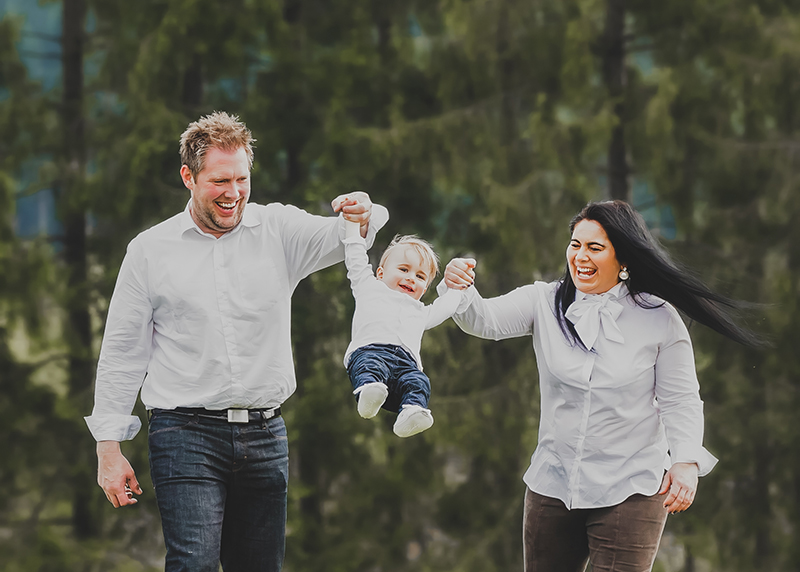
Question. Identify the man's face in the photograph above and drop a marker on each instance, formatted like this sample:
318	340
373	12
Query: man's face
220	191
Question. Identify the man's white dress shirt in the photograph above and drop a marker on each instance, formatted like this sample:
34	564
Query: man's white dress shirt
614	417
198	321
386	316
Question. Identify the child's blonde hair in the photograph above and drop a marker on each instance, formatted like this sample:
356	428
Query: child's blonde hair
422	247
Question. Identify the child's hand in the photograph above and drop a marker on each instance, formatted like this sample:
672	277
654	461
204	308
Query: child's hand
355	206
460	273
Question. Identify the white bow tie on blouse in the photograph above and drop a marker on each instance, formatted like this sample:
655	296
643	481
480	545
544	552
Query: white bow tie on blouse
593	311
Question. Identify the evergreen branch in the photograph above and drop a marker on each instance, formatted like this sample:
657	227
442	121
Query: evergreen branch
779	145
42	36
38	364
640	48
39	55
451	116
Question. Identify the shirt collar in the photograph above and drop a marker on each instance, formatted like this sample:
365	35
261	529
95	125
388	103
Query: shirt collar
249	219
620	290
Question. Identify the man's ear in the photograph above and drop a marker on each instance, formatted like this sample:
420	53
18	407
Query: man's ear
187	177
379	273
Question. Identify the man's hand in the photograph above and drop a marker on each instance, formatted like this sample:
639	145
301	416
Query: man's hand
460	273
356	207
115	475
681	483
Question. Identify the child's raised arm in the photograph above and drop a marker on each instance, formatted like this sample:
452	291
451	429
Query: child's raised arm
356	260
462	275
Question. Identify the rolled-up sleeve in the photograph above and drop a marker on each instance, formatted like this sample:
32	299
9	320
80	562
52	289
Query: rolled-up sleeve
313	242
678	397
125	352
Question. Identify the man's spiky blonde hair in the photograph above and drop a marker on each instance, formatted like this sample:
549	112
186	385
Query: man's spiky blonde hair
429	257
219	130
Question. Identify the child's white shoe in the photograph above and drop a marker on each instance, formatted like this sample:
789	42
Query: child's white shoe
412	419
370	399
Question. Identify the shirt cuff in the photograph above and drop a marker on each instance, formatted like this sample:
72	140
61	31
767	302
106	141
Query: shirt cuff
347	236
694	454
378	219
467	296
113	427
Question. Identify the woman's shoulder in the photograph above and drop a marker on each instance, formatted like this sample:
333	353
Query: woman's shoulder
658	311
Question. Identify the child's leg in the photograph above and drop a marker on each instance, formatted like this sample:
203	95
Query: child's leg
369	373
414	387
414	416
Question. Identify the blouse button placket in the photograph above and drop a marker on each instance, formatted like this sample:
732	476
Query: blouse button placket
586	374
223	285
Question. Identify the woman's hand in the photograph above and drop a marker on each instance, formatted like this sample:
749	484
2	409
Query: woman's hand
681	483
460	273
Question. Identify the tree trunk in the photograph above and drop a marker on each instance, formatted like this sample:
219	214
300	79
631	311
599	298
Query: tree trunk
762	453
73	214
614	76
192	95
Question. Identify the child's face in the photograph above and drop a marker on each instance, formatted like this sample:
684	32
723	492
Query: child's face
405	272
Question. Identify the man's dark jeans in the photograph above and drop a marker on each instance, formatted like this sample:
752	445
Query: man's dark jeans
221	490
395	367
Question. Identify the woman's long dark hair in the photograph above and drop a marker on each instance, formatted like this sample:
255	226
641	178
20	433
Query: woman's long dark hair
652	271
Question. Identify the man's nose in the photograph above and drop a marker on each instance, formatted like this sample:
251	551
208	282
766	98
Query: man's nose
231	191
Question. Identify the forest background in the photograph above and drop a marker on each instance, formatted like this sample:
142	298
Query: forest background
482	125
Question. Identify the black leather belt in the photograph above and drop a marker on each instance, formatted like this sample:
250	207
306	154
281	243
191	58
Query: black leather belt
229	415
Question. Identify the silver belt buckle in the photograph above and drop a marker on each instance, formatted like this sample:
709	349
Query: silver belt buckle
238	416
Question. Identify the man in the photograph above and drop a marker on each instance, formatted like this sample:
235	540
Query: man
199	321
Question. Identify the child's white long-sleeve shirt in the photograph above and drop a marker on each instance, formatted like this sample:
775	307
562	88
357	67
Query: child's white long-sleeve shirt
385	316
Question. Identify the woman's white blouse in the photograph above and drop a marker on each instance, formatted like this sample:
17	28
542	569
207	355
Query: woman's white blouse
613	418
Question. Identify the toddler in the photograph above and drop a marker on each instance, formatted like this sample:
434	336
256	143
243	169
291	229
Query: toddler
383	359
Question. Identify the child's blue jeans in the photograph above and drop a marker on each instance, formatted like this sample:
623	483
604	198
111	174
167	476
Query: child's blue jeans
393	366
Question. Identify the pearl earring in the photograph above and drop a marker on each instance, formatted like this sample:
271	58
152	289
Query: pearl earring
623	273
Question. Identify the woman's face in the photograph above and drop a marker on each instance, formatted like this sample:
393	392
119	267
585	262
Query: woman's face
591	258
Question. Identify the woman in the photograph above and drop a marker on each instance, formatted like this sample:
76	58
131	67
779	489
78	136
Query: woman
620	400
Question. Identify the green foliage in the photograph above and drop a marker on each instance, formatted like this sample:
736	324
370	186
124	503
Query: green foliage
482	126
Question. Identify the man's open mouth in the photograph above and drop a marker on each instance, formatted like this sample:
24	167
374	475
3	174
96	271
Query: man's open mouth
226	206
